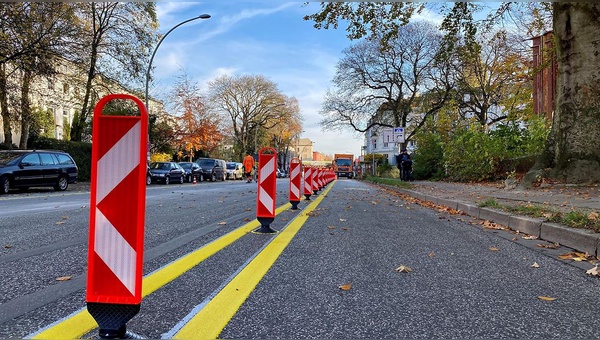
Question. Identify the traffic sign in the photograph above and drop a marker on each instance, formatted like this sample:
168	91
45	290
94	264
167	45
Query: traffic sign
399	135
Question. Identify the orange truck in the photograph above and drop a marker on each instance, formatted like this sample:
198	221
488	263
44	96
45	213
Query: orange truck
343	165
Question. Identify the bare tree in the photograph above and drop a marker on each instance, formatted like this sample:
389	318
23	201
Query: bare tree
252	103
117	43
571	152
493	77
396	85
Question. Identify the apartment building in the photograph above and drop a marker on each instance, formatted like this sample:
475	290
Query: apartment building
62	94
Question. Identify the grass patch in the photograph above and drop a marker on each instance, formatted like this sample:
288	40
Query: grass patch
390	181
490	203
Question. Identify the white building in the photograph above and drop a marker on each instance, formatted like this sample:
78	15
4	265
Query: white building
62	94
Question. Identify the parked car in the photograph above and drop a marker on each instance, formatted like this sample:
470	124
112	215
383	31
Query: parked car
212	169
167	172
234	170
23	169
148	175
192	171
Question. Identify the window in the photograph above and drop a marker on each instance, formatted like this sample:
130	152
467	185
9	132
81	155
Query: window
31	159
64	159
47	159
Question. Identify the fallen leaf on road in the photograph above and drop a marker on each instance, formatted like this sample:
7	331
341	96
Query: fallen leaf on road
550	246
342	220
223	223
535	265
493	249
347	286
403	269
345	228
594	271
330	227
247	219
64	278
546	298
575	256
373	202
593	216
431	254
59	222
530	237
8	246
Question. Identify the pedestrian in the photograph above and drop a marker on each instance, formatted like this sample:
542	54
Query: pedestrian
248	165
405	165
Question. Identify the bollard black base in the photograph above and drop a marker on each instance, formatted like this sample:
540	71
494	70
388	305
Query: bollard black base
307	197
265	226
294	205
112	319
315	192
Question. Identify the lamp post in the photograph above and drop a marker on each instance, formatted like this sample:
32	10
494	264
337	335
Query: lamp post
201	16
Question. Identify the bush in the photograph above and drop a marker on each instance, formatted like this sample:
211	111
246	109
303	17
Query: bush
428	159
392	172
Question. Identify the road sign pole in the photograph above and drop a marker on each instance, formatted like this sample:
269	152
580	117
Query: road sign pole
117	218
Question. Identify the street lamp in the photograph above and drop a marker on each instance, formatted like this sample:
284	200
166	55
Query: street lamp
201	16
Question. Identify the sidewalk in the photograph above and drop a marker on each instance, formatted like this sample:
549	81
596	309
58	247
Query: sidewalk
559	197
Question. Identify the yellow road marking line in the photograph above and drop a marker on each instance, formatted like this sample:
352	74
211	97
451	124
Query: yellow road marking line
80	323
210	321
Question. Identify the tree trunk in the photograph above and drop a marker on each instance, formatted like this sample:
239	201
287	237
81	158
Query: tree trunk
6	119
25	109
572	153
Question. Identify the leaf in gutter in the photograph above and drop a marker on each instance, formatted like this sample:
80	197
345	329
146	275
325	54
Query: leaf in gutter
223	223
64	278
594	271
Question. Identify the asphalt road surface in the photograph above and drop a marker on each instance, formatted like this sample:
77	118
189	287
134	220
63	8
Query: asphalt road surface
356	261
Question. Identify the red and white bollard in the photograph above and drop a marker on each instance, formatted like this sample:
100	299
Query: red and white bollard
267	187
315	182
117	218
308	182
295	181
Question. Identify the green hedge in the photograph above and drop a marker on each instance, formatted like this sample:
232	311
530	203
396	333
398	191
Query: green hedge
80	151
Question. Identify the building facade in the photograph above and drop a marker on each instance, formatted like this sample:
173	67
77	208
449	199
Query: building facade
62	95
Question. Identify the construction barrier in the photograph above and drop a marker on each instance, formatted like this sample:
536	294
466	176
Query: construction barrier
315	183
308	182
267	187
295	182
117	214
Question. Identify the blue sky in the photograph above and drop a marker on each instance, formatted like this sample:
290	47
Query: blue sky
256	38
267	38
